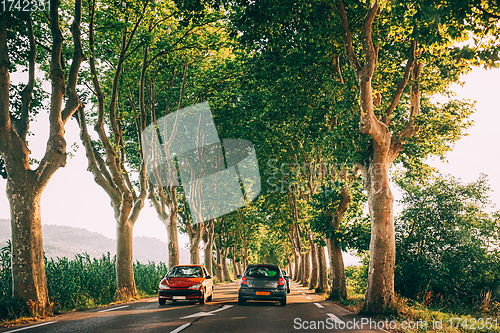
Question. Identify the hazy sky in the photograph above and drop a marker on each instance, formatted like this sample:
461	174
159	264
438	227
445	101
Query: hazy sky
72	198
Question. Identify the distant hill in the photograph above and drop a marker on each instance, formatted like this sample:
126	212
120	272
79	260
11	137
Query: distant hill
63	241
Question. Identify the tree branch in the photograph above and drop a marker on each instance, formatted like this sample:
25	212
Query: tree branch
111	157
402	84
346	35
5	123
55	155
92	158
410	129
366	41
22	125
78	57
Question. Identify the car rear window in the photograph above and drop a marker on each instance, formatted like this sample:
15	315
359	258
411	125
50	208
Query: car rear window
185	272
262	271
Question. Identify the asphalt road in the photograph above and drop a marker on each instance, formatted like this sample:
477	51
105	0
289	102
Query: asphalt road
304	312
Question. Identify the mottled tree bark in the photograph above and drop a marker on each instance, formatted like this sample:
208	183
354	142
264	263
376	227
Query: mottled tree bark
28	269
338	288
167	211
195	235
225	268
306	268
313	282
218	268
208	239
233	261
323	270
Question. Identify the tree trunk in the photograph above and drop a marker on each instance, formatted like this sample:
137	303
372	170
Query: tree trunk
28	270
338	289
236	272
289	269
218	267
338	286
124	260
194	249
380	288
306	272
195	233
302	270
225	269
314	263
296	266
322	270
209	245
244	255
173	237
240	269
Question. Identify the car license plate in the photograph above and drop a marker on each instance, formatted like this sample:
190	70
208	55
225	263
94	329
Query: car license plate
179	297
262	293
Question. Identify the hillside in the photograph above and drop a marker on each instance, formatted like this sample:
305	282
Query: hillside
63	241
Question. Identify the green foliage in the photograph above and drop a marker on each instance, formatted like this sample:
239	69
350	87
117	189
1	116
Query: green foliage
354	230
446	240
357	277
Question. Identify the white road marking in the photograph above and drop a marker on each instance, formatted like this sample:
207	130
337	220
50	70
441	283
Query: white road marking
198	314
32	326
204	314
308	297
319	305
303	294
220	309
153	300
120	307
180	328
335	318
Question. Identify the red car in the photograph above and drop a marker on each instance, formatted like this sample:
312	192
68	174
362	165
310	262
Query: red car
186	282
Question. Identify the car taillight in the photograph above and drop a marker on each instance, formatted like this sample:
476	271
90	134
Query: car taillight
281	281
243	281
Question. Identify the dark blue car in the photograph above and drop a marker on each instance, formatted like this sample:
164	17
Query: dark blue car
262	282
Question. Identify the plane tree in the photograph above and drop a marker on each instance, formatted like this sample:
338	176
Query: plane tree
29	40
113	43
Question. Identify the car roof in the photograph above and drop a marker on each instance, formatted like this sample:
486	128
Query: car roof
188	265
269	265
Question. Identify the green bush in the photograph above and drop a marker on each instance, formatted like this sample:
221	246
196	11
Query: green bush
147	277
357	278
445	242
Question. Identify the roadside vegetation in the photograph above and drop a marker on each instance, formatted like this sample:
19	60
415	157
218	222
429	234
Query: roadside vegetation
447	265
75	284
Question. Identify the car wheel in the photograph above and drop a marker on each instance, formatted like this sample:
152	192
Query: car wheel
288	291
283	301
241	300
202	299
211	297
161	301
